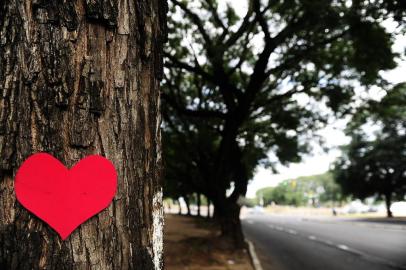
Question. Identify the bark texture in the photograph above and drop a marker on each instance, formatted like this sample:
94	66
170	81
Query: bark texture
80	77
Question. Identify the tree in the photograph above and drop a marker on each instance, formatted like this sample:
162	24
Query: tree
80	78
181	177
375	164
300	191
243	82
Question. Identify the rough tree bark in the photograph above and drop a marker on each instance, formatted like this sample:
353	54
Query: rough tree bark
80	77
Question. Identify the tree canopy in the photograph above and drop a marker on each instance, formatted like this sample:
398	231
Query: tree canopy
375	164
239	89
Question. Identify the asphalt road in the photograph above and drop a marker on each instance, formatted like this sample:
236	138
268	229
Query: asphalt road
295	243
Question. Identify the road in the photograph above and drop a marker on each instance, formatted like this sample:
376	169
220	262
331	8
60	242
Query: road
297	243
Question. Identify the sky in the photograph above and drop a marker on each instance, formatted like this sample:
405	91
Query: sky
317	162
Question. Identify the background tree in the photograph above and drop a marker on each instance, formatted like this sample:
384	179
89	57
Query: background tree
315	189
80	78
375	164
182	175
255	84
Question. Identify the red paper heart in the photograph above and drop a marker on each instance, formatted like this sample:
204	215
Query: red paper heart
65	198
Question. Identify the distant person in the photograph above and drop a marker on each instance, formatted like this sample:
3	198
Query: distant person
334	212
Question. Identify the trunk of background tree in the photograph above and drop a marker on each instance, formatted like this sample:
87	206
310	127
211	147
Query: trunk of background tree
228	216
198	204
78	78
180	207
208	208
388	202
227	208
187	202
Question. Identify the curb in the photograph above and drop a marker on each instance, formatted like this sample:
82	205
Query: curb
254	258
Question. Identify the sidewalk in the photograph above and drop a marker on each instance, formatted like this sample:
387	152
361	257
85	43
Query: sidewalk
193	244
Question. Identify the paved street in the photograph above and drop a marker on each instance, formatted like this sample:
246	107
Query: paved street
293	243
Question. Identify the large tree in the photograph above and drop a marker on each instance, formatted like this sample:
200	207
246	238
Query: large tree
252	84
79	78
374	163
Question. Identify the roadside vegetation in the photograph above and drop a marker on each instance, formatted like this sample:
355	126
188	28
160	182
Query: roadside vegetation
313	190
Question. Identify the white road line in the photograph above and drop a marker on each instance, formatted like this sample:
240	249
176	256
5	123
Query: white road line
250	222
343	247
279	228
254	257
356	252
312	237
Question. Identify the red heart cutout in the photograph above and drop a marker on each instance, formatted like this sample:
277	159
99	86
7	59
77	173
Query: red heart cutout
65	198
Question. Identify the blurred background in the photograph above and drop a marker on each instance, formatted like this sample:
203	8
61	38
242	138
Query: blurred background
284	134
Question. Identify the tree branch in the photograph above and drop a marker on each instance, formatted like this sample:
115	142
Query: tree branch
261	19
216	17
196	20
296	57
201	113
245	25
259	74
194	69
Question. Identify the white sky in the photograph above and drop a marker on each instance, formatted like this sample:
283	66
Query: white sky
316	163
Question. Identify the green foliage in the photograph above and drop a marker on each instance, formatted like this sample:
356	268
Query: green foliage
234	86
375	164
320	189
248	202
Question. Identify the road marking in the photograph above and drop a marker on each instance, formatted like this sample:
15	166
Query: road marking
279	228
343	247
254	257
359	253
312	237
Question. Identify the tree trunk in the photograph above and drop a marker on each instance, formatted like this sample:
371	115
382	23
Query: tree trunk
180	207
187	202
198	204
228	216
388	202
79	78
208	208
